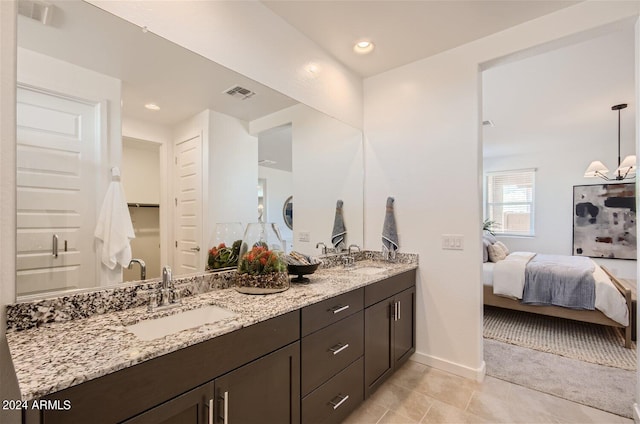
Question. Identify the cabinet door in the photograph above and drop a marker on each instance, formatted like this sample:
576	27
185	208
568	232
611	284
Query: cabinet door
189	408
378	351
404	337
266	390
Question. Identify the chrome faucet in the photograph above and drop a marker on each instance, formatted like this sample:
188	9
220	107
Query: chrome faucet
166	277
354	246
166	296
324	247
143	267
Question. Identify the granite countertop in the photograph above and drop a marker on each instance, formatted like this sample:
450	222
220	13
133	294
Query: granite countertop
59	355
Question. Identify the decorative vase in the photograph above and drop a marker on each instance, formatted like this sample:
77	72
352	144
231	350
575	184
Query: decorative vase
225	242
261	265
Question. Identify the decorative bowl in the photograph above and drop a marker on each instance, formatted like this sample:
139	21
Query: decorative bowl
300	271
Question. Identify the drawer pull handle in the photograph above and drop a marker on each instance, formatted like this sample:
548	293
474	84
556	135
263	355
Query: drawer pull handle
209	407
225	406
339	309
339	348
338	400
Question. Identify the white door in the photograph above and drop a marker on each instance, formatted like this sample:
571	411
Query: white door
188	206
56	186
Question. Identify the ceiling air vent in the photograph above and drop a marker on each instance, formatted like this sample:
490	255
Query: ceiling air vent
37	10
239	92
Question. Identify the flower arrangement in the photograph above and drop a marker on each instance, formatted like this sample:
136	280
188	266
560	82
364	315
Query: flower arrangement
261	260
262	271
221	256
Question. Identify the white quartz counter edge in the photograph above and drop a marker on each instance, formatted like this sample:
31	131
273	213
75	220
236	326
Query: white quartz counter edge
61	355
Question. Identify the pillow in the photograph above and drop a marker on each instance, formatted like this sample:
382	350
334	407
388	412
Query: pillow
485	253
496	252
486	234
503	246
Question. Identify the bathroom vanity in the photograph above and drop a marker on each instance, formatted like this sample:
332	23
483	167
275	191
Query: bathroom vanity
311	354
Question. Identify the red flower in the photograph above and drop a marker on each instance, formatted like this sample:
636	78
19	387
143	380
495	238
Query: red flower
263	260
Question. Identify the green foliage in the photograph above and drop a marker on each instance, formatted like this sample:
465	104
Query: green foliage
261	260
222	256
489	225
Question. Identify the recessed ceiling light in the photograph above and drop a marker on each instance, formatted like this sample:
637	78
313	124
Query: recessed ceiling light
363	47
312	68
152	106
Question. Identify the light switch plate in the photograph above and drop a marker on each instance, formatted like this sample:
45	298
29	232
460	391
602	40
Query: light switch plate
304	236
452	242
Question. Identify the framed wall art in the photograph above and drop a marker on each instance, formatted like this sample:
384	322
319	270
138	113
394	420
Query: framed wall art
604	221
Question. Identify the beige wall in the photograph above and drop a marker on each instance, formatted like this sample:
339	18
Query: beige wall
8	384
422	125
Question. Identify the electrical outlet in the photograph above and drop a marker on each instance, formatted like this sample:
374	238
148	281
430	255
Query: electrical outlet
304	236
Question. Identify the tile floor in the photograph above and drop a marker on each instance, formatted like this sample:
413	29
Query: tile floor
420	394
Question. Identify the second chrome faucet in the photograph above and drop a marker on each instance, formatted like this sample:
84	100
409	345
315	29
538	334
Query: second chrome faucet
167	296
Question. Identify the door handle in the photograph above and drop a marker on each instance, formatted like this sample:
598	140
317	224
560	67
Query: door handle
399	309
225	406
195	249
54	248
209	407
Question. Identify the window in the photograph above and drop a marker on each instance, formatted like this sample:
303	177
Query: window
509	201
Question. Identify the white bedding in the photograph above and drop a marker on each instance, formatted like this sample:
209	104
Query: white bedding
608	299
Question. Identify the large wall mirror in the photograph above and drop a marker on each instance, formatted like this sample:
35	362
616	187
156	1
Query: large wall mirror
97	92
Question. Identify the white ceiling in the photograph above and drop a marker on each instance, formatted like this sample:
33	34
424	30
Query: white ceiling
275	145
560	101
403	31
151	68
184	83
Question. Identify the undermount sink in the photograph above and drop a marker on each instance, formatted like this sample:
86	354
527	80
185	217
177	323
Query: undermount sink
368	270
152	329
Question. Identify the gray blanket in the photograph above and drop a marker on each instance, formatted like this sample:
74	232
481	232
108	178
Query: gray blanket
560	280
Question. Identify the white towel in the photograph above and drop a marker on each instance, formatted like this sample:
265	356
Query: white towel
114	229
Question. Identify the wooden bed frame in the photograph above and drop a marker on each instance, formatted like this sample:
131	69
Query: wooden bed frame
595	316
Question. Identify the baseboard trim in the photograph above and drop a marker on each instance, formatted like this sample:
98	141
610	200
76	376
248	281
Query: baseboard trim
636	413
452	367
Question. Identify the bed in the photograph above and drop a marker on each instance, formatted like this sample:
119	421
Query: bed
612	300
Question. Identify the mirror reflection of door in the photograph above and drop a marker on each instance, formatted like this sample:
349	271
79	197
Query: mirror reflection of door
275	168
141	183
57	163
188	206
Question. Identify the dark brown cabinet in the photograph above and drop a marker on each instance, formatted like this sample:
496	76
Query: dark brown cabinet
189	408
332	358
389	328
313	365
265	391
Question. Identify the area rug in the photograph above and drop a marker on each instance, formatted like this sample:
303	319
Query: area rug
597	344
606	388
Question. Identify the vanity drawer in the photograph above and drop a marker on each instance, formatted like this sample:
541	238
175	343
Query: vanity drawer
330	350
321	314
337	398
376	292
